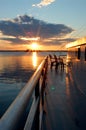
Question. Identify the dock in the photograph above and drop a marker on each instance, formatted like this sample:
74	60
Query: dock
65	104
58	103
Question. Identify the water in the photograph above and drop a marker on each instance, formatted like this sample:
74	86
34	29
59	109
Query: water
16	68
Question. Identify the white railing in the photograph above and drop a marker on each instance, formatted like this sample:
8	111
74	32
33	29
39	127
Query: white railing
35	86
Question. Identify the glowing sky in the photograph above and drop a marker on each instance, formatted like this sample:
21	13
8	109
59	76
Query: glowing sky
49	23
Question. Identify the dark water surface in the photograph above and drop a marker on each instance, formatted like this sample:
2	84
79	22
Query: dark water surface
16	68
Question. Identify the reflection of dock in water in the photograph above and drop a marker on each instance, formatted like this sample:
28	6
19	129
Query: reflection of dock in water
55	102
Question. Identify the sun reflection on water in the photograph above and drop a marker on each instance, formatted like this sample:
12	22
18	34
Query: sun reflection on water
34	59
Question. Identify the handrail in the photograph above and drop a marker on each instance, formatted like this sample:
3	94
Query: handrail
11	117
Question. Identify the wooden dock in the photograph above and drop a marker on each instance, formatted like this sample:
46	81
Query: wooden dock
65	104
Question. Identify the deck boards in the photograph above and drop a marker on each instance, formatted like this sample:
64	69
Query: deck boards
65	105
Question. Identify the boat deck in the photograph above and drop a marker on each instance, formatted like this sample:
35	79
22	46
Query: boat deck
65	104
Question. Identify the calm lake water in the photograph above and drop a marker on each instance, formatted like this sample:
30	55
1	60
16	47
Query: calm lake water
16	68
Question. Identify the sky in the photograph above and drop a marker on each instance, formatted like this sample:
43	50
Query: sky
41	24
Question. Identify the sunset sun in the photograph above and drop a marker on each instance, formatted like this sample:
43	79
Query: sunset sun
34	46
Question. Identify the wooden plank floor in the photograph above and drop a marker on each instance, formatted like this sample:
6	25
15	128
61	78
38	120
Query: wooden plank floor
65	105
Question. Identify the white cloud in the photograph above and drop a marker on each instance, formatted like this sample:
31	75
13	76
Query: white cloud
44	3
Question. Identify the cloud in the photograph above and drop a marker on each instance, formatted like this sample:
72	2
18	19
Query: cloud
17	30
44	3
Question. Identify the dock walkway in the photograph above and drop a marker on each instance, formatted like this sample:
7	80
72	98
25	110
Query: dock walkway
65	105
